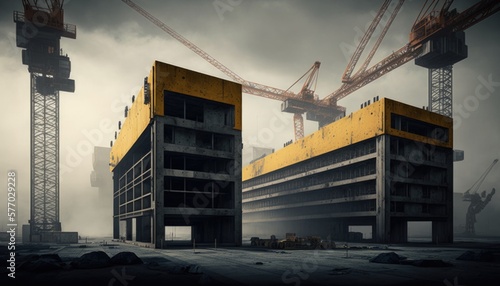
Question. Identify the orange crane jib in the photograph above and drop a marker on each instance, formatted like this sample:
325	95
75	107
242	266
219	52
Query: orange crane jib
429	22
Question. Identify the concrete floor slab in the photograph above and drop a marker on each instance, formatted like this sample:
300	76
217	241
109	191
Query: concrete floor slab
260	266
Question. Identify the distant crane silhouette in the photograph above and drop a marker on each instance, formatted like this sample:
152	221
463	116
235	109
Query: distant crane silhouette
476	202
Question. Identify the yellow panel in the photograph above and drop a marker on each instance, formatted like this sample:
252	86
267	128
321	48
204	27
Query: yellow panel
139	116
168	77
366	123
176	79
359	126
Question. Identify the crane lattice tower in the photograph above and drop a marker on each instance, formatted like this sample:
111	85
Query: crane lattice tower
38	31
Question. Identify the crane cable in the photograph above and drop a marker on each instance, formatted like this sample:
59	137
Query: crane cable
477	184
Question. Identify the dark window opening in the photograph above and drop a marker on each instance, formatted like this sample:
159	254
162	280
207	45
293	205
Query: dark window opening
174	106
426	193
223	142
174	161
204	140
224	195
397	207
425	208
168	134
173	184
198	109
418	127
194	111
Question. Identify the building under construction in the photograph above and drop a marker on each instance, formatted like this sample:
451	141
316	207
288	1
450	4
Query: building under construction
385	165
176	160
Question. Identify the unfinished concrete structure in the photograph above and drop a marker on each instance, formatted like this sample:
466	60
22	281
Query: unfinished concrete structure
100	177
382	166
253	153
177	159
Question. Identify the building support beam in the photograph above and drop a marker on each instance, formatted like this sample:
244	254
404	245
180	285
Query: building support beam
158	183
383	219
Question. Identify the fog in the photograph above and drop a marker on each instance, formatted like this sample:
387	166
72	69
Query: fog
270	42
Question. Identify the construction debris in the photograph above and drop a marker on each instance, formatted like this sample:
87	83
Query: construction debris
292	241
41	263
340	271
388	258
483	256
125	258
95	259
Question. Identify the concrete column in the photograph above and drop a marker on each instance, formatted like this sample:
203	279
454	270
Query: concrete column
128	229
158	182
383	183
139	229
238	236
116	228
444	229
116	205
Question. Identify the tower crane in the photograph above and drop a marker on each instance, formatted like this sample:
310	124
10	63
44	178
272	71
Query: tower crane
38	31
476	203
429	26
306	93
436	41
298	104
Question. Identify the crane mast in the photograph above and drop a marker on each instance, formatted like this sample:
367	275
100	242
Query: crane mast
49	73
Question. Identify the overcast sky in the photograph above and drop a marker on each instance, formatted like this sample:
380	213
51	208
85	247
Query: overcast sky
269	42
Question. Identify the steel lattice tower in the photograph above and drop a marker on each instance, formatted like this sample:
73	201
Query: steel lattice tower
439	55
44	160
38	31
441	90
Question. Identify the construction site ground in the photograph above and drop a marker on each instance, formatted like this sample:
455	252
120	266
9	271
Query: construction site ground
248	265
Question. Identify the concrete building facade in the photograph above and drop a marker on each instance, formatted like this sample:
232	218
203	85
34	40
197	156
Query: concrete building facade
177	158
383	166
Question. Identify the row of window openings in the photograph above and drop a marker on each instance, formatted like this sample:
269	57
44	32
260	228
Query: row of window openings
345	173
416	151
407	170
205	200
334	157
419	191
350	190
196	185
137	205
413	208
326	194
419	127
135	192
198	163
199	139
195	109
357	206
139	170
403	190
182	192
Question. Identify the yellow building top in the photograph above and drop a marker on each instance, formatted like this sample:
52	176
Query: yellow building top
165	77
366	123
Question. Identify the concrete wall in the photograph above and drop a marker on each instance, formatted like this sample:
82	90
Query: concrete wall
63	237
